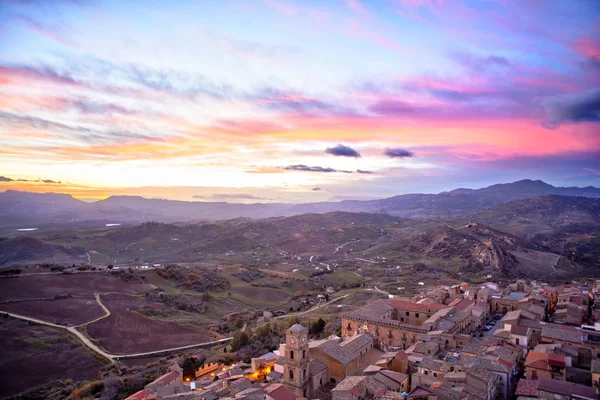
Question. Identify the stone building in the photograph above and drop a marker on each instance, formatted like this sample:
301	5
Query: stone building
398	324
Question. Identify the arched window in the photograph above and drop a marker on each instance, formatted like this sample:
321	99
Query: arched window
303	354
321	381
291	354
304	373
291	374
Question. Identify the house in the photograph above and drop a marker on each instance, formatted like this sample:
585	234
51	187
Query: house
344	359
358	387
278	391
527	389
553	333
395	381
546	365
421	393
520	335
551	389
595	373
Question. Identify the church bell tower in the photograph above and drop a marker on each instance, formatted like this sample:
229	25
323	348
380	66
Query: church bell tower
296	374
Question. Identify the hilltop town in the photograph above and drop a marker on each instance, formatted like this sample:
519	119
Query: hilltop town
528	340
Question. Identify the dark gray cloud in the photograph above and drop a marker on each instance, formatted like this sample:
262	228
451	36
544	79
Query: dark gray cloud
342	151
316	189
230	196
572	108
361	171
5	179
397	153
302	167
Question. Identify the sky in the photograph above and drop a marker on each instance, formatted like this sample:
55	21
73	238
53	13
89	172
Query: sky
296	101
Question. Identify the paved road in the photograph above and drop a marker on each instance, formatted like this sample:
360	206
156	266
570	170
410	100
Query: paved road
380	291
312	309
191	346
109	356
71	329
341	246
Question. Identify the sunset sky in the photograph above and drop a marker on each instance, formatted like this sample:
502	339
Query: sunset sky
300	101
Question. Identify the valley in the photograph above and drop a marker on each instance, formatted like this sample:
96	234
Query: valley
155	289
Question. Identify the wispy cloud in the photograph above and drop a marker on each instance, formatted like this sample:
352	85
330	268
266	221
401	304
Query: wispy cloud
230	196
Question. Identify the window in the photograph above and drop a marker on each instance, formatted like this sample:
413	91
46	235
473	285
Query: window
304	373
291	374
417	315
435	374
402	319
303	354
517	340
426	372
321	381
291	354
407	314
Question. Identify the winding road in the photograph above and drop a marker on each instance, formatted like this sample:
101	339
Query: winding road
313	308
341	246
109	356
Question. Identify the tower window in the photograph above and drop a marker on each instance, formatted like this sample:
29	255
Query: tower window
304	373
291	354
291	374
303	354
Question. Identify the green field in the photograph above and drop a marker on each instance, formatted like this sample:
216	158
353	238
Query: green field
342	277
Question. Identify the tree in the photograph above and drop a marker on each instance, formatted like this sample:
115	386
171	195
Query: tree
239	323
110	266
317	326
240	339
205	296
294	320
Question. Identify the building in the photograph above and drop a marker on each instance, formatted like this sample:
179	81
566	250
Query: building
358	388
296	368
546	365
397	324
560	390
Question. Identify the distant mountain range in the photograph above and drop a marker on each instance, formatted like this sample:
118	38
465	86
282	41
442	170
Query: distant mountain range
25	209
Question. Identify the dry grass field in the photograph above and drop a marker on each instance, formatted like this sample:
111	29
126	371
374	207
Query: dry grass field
81	285
128	331
32	355
69	311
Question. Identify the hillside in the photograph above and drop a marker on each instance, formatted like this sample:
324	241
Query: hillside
26	250
542	214
303	243
472	250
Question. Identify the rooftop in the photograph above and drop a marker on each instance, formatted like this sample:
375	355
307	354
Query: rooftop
297	328
570	389
564	333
